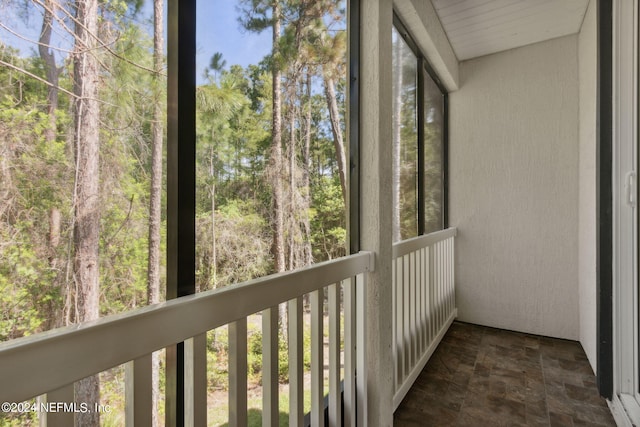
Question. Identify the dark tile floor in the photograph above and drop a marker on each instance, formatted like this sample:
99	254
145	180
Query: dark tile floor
482	376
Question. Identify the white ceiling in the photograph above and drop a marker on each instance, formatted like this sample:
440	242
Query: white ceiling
480	27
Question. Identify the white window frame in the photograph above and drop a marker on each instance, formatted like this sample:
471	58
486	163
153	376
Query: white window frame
626	383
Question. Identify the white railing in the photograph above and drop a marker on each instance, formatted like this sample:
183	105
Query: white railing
51	362
423	303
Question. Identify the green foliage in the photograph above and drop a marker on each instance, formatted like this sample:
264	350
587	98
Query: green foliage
328	220
254	355
32	173
15	419
25	289
255	15
19	89
234	134
217	359
39	166
234	121
242	246
218	355
231	138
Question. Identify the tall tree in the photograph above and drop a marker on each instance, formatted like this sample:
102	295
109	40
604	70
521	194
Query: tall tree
218	104
216	65
53	78
276	145
52	70
87	195
155	194
256	18
331	52
336	129
306	168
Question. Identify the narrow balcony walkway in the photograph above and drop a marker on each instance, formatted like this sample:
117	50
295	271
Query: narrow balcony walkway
482	376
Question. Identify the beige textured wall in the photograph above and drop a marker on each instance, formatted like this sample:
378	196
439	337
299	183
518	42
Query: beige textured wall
514	189
587	60
376	197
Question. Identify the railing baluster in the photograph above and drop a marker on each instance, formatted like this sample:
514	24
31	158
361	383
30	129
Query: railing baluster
440	286
452	286
443	267
424	302
447	286
296	361
238	373
453	273
447	275
334	355
399	322
424	253
419	324
411	278
195	382
361	356
137	391
445	298
395	325
436	289
270	397
425	298
432	293
349	308
317	358
61	418
406	308
445	282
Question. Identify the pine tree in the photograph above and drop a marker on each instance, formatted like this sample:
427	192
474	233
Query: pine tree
155	194
87	191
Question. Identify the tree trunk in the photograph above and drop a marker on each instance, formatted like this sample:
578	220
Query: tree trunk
55	317
52	71
338	141
87	192
292	214
155	195
214	251
276	149
276	160
213	268
306	157
54	227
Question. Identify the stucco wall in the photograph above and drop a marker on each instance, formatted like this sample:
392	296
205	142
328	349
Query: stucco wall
514	189
587	60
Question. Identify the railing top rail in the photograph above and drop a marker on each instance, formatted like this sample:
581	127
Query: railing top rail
411	245
37	364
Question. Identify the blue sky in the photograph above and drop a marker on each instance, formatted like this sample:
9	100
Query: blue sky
217	30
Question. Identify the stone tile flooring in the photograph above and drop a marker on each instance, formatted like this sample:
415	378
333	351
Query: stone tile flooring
481	376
